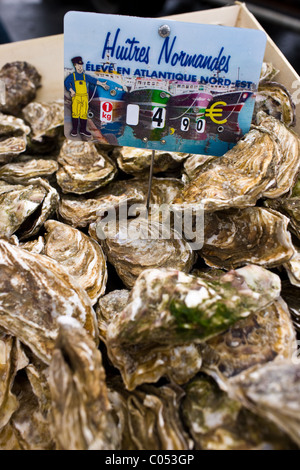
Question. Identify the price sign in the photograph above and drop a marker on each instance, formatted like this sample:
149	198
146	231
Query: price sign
160	84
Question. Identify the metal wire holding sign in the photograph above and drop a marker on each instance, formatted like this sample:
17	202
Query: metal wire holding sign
150	180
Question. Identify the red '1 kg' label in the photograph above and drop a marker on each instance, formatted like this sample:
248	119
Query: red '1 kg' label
106	111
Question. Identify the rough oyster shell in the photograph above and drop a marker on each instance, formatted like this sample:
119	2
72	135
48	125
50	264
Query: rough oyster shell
150	417
13	137
9	439
265	336
12	359
21	172
21	82
34	291
291	295
135	161
131	255
83	168
31	426
275	100
168	307
81	412
108	307
192	164
273	391
217	422
268	72
34	246
264	163
25	208
293	268
290	207
80	255
252	235
44	118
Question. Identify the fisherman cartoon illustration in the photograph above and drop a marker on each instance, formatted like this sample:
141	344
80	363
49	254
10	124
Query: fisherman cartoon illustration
77	84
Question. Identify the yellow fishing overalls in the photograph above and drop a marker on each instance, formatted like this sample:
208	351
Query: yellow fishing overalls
80	102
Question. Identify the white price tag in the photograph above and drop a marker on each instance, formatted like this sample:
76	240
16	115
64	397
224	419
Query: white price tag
159	117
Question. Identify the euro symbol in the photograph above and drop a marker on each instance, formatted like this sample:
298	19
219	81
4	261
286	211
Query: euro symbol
212	112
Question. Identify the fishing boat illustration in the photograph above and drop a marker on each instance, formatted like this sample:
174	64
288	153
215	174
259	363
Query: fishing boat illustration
151	96
186	109
222	115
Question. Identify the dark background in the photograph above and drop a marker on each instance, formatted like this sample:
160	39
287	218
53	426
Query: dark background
26	19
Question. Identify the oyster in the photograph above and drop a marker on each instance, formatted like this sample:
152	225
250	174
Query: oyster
108	307
21	172
31	426
81	413
12	359
135	161
252	235
13	137
34	246
265	163
268	72
21	82
83	169
273	391
81	257
192	165
265	336
168	307
34	291
290	207
139	244
44	118
293	268
150	418
275	100
81	211
25	208
9	439
291	295
217	422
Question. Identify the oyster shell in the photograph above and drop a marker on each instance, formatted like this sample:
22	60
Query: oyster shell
265	336
12	359
21	82
81	412
135	161
31	426
81	211
9	439
168	307
25	208
273	391
44	118
144	244
21	172
275	100
83	168
34	246
192	164
291	208
81	257
217	422
268	72
13	137
34	291
265	163
108	307
150	417
291	295
252	235
293	268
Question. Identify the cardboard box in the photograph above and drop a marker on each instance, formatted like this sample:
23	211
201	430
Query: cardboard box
47	53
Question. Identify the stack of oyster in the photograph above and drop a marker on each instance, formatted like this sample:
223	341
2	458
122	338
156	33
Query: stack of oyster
130	343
